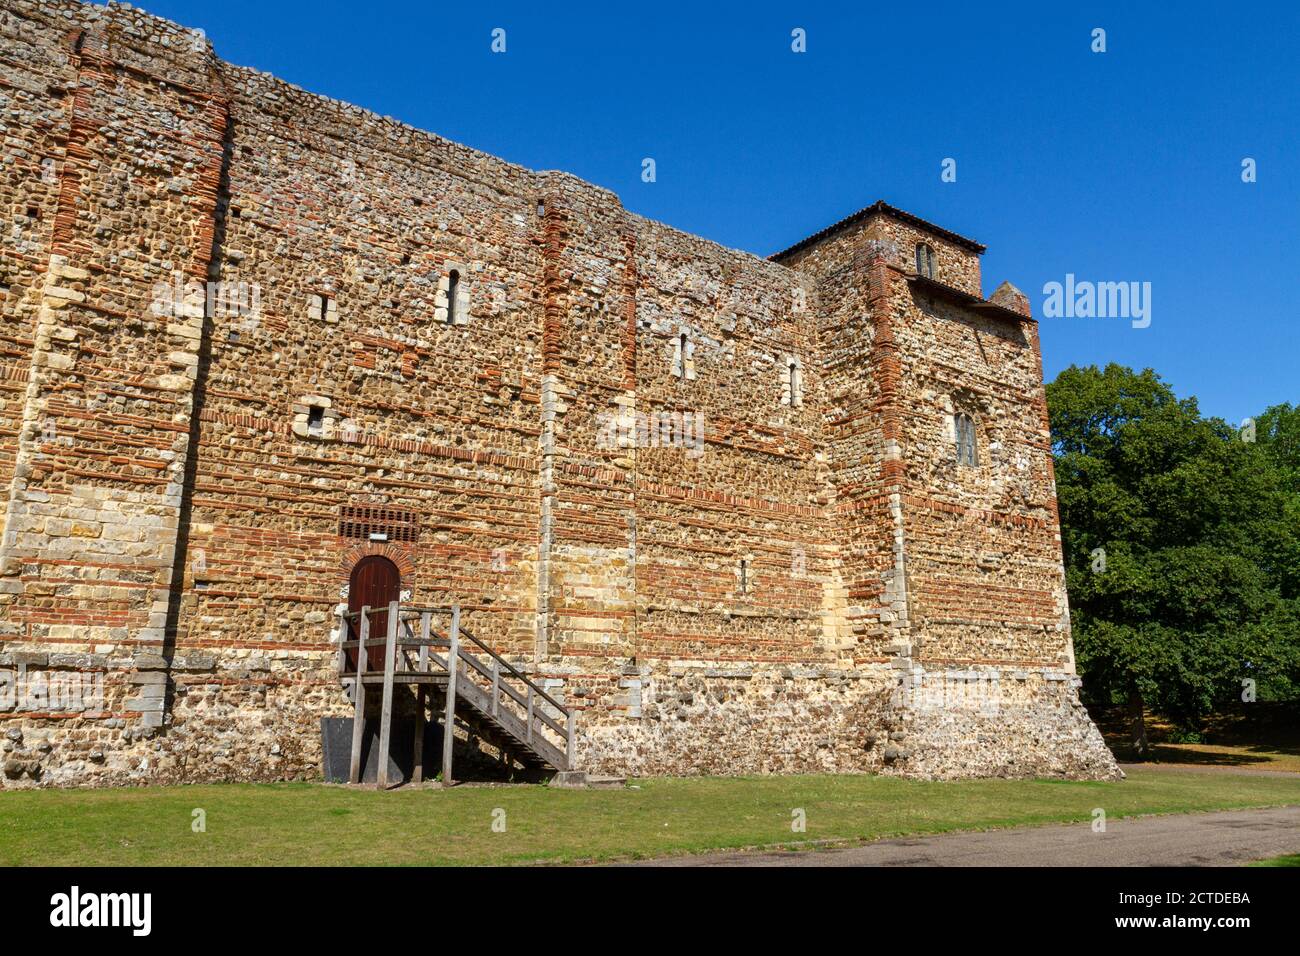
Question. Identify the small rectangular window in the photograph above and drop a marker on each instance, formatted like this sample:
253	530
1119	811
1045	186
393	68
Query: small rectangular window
453	290
320	307
315	419
681	356
925	260
965	427
793	395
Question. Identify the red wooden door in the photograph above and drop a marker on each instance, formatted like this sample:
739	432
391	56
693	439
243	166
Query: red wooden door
375	582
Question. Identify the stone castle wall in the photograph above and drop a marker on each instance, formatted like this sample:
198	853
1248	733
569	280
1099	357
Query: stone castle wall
707	497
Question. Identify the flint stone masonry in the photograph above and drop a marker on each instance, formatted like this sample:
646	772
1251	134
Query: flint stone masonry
176	457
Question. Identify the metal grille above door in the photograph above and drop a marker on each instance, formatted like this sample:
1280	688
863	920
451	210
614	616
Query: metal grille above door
378	523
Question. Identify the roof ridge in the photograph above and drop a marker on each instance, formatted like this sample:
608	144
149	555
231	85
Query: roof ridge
880	207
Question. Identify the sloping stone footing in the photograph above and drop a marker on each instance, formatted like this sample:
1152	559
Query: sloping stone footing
995	723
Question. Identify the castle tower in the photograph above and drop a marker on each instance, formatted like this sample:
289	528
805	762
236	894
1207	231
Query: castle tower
945	509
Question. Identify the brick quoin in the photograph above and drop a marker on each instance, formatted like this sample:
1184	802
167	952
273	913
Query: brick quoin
773	575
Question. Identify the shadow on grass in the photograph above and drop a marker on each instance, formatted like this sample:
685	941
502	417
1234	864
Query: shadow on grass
1259	757
1259	736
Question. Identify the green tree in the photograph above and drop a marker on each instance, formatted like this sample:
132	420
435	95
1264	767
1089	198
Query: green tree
1181	546
1278	433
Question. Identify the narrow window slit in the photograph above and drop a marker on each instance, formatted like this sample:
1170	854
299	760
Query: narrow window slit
924	260
453	288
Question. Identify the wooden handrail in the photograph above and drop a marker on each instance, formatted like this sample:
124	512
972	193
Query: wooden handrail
510	692
408	642
517	673
464	634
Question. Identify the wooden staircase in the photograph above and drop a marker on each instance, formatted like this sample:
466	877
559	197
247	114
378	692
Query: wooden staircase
461	677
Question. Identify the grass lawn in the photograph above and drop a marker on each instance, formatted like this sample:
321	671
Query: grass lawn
1291	860
317	825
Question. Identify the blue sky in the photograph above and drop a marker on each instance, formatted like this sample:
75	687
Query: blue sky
1119	166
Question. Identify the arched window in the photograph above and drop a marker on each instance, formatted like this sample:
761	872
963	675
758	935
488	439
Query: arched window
965	427
453	287
924	260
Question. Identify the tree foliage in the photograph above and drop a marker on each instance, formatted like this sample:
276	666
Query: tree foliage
1182	544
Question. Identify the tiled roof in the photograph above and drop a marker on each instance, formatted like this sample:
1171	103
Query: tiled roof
881	208
962	297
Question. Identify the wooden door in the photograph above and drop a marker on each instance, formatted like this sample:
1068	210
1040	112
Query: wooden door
375	582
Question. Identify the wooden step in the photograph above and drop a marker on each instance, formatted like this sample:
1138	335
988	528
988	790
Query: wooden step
513	725
507	724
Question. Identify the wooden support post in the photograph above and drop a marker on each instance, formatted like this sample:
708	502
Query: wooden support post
359	698
386	714
417	774
343	628
530	713
571	749
496	687
421	700
453	665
